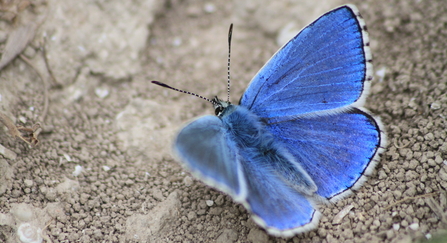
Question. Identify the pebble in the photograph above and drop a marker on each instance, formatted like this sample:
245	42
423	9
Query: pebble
227	235
414	226
28	183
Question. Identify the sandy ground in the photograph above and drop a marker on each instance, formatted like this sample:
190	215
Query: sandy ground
103	171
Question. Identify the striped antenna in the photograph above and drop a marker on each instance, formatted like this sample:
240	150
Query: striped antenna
183	91
230	33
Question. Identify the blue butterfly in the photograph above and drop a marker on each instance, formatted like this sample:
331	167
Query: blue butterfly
299	136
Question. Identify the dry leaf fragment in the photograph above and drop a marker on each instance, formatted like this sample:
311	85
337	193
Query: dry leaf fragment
17	41
28	135
339	217
13	131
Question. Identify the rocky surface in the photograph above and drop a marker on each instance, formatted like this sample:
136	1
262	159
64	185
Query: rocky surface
103	171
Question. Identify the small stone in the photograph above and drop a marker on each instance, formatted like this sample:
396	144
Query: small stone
51	194
347	233
404	223
164	213
163	174
67	186
157	194
22	211
67	157
322	232
209	203
390	234
411	175
443	173
216	211
101	92
16	193
382	175
79	137
97	234
414	226
191	215
220	200
257	235
28	183
410	192
227	235
129	182
376	222
413	164
202	204
435	105
187	181
9	154
77	171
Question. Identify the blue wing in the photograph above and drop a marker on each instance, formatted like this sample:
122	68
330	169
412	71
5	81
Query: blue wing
276	205
323	67
336	150
210	155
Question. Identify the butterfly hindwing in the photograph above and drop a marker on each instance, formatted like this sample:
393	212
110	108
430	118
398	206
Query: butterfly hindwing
337	150
275	204
323	67
205	148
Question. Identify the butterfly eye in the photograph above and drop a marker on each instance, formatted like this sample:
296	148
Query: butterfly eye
218	111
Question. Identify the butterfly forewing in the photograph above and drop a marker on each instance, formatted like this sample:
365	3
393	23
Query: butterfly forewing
322	68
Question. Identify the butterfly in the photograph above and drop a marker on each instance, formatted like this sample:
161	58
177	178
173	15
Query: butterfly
300	136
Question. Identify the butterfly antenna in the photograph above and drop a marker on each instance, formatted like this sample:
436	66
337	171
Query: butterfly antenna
230	33
183	91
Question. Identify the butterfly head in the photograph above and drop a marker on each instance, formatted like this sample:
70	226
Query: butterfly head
219	106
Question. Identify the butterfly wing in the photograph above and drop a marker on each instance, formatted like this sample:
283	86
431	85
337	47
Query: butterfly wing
206	150
336	150
275	204
326	66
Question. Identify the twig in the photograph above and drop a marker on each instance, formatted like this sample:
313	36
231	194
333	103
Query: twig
401	146
45	58
410	198
46	237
